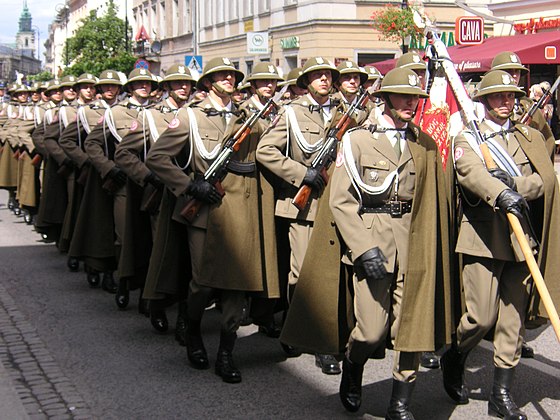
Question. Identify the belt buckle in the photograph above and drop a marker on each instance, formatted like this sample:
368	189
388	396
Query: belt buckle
395	209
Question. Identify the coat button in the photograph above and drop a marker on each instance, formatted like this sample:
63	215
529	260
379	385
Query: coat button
487	198
331	242
333	223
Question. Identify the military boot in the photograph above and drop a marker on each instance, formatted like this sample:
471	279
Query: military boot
429	360
453	368
400	401
73	264
122	296
500	403
158	317
108	283
225	367
196	353
351	385
93	277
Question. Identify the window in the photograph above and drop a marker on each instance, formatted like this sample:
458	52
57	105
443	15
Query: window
187	16
175	18
161	29
233	9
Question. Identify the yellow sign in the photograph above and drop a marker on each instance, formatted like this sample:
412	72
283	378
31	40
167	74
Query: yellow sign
248	25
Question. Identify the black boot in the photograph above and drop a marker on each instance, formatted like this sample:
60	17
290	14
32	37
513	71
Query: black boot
453	368
93	278
225	367
400	401
500	403
351	385
181	324
158	317
196	353
328	364
527	351
108	283
123	295
429	360
73	264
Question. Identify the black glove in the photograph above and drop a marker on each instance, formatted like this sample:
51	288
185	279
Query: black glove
504	177
204	191
370	265
117	175
512	202
314	179
154	180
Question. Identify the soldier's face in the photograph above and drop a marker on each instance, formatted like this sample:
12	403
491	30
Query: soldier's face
69	93
35	96
109	92
321	81
87	91
404	105
56	95
141	89
22	97
265	88
226	80
422	77
181	88
349	83
502	103
515	75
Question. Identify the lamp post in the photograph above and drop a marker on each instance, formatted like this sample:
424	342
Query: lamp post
404	46
126	25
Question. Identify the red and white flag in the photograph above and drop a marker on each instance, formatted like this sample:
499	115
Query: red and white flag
439	116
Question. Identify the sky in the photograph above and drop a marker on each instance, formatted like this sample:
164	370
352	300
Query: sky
42	12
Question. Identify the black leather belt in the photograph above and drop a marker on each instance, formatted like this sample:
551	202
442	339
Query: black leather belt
241	168
394	208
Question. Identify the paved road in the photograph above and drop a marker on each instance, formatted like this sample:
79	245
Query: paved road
69	353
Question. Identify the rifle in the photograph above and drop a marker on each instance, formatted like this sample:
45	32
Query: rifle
218	169
439	50
543	100
327	154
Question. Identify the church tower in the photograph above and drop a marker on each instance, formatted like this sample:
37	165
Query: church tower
25	38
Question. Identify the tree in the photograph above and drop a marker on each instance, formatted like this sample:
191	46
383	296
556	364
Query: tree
40	77
99	44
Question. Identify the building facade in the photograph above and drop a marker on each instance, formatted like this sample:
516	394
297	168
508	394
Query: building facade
293	29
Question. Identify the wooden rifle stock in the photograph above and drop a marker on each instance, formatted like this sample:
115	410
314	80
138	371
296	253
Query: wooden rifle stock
193	206
301	199
36	161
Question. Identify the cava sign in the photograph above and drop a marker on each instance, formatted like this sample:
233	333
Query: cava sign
469	30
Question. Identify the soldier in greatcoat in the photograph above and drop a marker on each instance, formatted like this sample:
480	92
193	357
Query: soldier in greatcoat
93	238
224	244
495	278
130	156
287	149
389	203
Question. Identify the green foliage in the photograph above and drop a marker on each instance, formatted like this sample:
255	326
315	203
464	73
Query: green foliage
44	76
99	44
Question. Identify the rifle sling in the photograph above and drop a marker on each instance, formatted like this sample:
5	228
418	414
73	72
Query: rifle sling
241	168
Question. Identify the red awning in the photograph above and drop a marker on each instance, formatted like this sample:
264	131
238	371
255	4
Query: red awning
539	48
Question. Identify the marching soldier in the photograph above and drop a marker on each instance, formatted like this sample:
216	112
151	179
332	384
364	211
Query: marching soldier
54	197
389	203
293	91
262	84
130	156
287	150
348	85
510	62
93	238
100	146
496	280
223	233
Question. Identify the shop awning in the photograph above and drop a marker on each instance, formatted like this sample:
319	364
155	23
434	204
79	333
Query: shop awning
539	48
